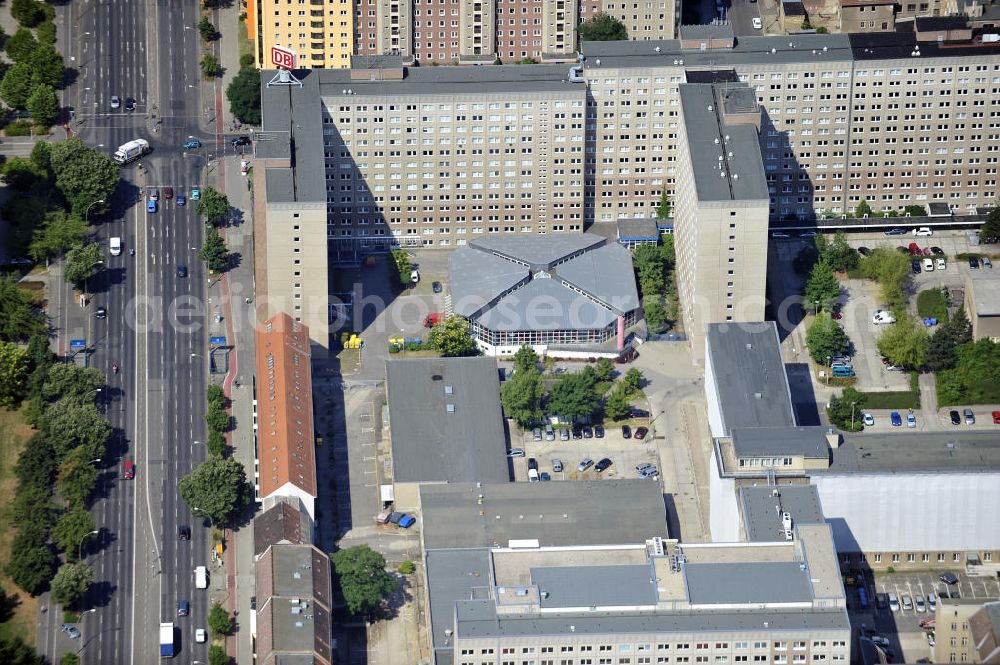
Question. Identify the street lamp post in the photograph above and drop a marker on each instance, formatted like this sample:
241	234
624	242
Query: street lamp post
852	415
815	308
87	212
79	549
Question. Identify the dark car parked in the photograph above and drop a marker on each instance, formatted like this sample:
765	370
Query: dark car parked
598	432
974	263
602	465
640	433
626	432
948	577
915	266
956	419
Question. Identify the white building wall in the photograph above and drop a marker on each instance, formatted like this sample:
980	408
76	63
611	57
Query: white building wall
724	514
910	512
712	398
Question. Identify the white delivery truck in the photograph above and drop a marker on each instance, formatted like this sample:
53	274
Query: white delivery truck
201	577
116	246
131	151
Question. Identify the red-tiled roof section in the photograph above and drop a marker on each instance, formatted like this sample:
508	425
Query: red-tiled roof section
284	406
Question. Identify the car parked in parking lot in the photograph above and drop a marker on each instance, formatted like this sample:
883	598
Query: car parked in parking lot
883	316
626	432
598	432
973	263
937	251
970	417
986	262
585	464
955	418
515	452
603	465
557	465
563	434
911	420
536	434
907	602
894	418
436	287
864	251
588	433
893	602
918	601
940	264
640	433
948	577
868	419
915	267
928	265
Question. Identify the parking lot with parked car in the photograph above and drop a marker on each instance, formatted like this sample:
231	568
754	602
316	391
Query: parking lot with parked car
610	455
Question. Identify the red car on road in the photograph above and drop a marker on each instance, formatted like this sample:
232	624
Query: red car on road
996	417
128	469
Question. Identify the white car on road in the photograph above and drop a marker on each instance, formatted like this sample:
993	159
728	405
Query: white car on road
757	23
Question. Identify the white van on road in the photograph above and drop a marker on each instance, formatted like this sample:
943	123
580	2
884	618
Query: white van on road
116	246
201	577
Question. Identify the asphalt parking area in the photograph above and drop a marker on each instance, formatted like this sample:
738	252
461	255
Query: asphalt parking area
926	582
625	455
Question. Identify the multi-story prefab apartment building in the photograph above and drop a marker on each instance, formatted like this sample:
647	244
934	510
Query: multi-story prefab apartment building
433	157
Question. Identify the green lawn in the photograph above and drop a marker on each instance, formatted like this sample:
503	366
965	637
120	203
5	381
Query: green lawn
14	433
899	399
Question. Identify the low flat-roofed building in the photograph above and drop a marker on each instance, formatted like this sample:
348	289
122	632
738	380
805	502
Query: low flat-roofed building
565	295
867	15
659	598
294	596
446	425
745	381
982	304
600	512
914	499
635	232
801	448
770	512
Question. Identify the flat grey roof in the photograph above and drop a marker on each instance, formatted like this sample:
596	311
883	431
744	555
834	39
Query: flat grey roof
477	278
587	586
301	574
517	79
605	273
453	576
551	282
280	185
749	374
761	510
539	252
479	619
431	443
725	157
757	582
293	113
809	442
598	512
638	229
707	31
748	50
985	293
545	304
916	452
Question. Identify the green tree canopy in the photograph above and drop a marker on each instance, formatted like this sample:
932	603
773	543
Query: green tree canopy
654	313
19	316
617	406
904	343
46	33
210	66
43	105
76	526
17	85
822	288
47	66
41	155
602	28
69	423
22	173
21	45
84	176
77	478
974	378
521	397
632	381
219	620
941	353
825	338
838	254
31	568
28	13
217	489
71	583
451	338
604	370
216	443
13	373
845	411
70	380
243	94
573	396
13	651
991	227
217	655
214	252
33	507
207	29
82	263
69	658
213	205
217	417
364	582
663	207
36	465
891	270
525	359
862	209
57	233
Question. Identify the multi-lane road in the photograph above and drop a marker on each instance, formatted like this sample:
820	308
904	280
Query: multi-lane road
155	329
